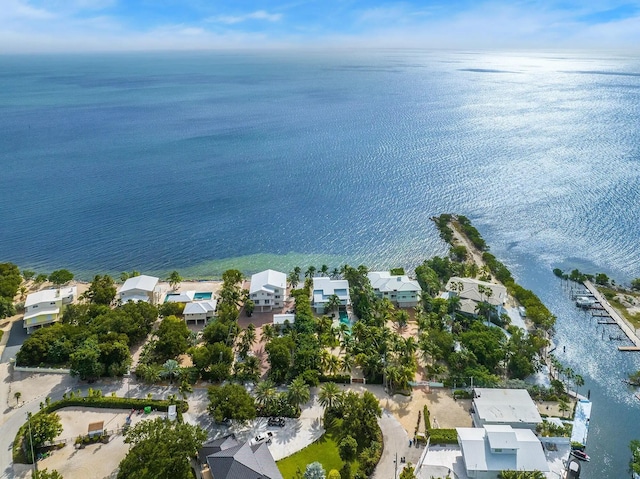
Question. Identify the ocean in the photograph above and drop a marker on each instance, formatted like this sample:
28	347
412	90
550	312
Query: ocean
202	162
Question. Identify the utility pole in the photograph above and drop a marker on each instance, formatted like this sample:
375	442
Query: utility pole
33	457
395	472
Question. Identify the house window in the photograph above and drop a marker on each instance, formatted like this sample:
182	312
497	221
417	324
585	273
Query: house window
266	301
277	297
257	301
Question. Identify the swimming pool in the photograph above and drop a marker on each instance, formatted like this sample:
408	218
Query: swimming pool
199	296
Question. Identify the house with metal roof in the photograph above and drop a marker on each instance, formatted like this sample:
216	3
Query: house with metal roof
488	450
139	288
268	290
324	288
512	407
398	289
197	311
227	459
472	291
46	306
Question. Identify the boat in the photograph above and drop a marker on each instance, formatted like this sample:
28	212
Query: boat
578	454
584	302
573	470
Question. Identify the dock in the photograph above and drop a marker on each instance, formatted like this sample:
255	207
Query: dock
630	333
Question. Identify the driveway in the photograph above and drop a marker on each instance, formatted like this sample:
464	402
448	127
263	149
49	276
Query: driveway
17	336
396	445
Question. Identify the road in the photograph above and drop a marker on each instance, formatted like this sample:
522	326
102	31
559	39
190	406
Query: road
396	444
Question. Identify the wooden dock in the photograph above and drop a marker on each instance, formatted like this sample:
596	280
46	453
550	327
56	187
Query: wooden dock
630	333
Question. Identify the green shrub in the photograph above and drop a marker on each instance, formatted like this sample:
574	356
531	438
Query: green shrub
443	436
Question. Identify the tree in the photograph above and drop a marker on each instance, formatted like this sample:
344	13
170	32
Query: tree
174	279
46	474
334	474
28	274
249	307
333	303
635	284
231	401
602	279
348	449
173	336
634	445
101	291
329	395
85	362
293	279
60	277
563	406
578	380
17	395
298	393
10	280
324	270
314	471
309	273
408	472
44	428
265	393
170	369
161	449
6	308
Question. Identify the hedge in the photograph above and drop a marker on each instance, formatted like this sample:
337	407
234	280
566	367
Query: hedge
335	378
105	402
443	436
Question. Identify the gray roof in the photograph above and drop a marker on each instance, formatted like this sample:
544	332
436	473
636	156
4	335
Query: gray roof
505	406
244	461
217	445
470	290
384	282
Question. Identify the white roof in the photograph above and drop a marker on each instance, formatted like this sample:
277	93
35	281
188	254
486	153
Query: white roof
384	282
183	297
142	282
49	295
505	406
200	307
267	281
523	449
324	287
470	290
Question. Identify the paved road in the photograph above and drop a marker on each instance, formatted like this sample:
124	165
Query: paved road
396	441
17	336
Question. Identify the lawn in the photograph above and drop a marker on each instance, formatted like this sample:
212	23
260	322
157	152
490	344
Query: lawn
324	450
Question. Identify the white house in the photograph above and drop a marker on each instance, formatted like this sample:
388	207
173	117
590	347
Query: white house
512	407
45	307
324	288
473	291
268	289
398	289
140	288
198	311
283	318
488	450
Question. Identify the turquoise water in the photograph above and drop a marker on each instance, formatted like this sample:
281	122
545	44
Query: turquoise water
344	317
198	296
338	157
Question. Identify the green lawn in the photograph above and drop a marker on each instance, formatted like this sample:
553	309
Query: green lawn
324	450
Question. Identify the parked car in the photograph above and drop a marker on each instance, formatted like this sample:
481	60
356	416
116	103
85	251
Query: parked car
276	421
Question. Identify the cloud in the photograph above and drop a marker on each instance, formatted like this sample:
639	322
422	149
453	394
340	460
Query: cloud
21	10
257	15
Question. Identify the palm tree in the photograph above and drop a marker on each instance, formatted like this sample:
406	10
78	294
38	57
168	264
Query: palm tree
298	393
324	270
401	318
333	365
17	395
268	333
329	395
170	369
563	406
310	272
174	279
579	382
335	274
333	303
293	279
265	393
346	363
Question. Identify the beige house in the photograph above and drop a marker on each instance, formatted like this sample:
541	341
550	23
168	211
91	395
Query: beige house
268	290
472	291
140	288
45	307
398	289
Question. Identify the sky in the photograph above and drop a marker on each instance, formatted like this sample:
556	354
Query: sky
28	26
